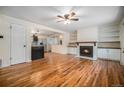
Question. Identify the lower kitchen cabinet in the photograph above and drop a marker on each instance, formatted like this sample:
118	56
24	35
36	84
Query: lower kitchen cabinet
37	52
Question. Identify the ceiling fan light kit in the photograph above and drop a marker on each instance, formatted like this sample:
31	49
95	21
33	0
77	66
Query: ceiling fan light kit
67	22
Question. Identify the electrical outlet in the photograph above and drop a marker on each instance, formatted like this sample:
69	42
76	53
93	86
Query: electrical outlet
1	36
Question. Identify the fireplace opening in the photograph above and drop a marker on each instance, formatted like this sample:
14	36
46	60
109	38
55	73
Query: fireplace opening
86	51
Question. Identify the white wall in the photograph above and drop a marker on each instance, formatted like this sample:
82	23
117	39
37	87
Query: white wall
62	49
5	42
87	34
1	40
5	23
122	41
65	39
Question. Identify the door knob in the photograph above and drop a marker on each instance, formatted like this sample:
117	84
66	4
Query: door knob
24	45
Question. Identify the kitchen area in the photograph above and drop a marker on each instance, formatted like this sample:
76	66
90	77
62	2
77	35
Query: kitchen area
42	42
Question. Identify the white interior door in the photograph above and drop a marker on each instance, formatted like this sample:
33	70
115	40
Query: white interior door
18	44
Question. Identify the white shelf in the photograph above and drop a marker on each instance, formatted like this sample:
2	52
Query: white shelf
73	36
110	36
109	33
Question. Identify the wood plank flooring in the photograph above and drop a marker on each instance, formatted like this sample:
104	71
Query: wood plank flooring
57	70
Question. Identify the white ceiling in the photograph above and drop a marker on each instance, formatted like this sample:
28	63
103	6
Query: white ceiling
46	15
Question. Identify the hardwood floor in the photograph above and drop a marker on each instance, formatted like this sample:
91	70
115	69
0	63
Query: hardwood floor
65	71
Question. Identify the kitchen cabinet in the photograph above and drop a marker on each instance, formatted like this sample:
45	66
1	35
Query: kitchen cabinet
37	52
109	54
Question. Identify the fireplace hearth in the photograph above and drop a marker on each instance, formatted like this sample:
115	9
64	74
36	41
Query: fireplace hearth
86	51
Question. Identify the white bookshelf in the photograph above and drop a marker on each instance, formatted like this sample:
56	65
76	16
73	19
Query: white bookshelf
109	33
109	36
73	36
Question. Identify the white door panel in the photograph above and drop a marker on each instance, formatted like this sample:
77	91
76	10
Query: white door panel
114	54
17	44
102	53
110	54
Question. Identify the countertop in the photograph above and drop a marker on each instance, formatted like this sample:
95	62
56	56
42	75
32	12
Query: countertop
71	46
100	47
110	47
37	46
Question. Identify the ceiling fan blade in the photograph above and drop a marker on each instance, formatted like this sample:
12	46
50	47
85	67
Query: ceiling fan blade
74	19
60	16
72	14
66	16
60	21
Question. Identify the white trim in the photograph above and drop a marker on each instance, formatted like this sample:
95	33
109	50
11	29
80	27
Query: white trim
4	65
29	61
86	57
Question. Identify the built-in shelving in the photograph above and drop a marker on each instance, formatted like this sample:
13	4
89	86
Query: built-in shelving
109	33
73	36
109	36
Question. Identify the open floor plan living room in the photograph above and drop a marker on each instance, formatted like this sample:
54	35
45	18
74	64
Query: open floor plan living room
61	46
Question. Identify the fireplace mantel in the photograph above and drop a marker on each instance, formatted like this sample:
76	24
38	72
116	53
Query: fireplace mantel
94	42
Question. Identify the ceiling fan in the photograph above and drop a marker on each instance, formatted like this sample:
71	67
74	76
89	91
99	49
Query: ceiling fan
67	18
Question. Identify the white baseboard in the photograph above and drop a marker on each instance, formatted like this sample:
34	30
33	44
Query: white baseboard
29	61
3	65
122	63
86	57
